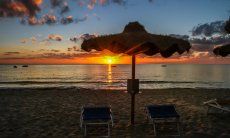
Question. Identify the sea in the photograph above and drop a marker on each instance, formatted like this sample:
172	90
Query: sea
151	76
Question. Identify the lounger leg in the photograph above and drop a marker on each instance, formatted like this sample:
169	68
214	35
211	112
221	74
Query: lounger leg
108	130
111	120
81	122
154	128
178	128
85	130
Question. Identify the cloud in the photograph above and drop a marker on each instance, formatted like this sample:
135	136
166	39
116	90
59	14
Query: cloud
82	37
197	54
53	50
11	53
61	4
19	8
77	20
74	48
26	40
184	37
34	12
66	55
23	40
98	17
49	19
55	37
207	44
67	20
120	2
209	29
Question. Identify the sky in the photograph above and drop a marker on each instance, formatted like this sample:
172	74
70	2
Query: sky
51	31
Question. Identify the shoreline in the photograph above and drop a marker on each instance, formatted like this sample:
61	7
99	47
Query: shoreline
91	89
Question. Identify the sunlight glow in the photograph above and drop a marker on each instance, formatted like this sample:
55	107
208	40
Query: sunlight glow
110	60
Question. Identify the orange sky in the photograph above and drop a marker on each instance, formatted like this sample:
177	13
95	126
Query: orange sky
116	60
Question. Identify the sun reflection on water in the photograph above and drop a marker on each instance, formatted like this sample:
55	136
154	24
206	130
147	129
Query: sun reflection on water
109	74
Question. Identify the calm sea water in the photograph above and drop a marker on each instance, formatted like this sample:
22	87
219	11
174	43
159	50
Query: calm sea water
106	77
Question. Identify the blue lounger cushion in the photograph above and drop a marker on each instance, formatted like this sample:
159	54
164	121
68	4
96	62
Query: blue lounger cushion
162	111
96	113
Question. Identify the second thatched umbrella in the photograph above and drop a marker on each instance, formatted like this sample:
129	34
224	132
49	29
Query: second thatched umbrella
135	40
225	49
222	50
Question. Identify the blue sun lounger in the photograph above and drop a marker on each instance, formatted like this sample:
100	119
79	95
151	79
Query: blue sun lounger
161	114
96	116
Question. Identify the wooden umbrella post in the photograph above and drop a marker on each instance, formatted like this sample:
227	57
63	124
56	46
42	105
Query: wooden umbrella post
133	93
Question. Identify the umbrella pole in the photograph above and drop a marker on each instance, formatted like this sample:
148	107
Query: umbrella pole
133	93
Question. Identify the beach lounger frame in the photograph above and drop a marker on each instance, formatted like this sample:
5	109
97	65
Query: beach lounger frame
156	120
96	121
214	104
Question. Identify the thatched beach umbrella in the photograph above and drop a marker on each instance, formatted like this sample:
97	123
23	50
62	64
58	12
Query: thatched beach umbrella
132	41
225	49
222	50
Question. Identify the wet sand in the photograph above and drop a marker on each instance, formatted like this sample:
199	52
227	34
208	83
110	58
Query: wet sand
56	112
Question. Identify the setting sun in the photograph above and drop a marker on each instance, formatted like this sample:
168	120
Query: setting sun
110	60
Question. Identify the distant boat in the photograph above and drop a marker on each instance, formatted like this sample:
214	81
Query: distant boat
163	65
114	66
24	65
15	67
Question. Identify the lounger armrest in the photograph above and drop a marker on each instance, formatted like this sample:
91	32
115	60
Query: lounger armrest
210	101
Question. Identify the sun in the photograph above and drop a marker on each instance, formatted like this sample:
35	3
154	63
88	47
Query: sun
109	60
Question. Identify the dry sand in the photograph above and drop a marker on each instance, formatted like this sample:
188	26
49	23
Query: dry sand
55	112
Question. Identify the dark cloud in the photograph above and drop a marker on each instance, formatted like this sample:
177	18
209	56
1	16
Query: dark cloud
82	37
212	40
11	8
74	39
61	4
49	19
209	29
74	48
55	37
120	2
81	19
67	20
185	37
31	12
207	44
11	53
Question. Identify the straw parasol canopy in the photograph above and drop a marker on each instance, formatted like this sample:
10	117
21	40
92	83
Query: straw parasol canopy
134	40
225	49
222	50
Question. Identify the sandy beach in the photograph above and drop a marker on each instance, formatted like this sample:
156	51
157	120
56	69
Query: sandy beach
55	112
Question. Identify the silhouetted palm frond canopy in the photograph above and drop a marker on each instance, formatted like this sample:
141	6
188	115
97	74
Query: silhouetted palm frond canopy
134	40
222	50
